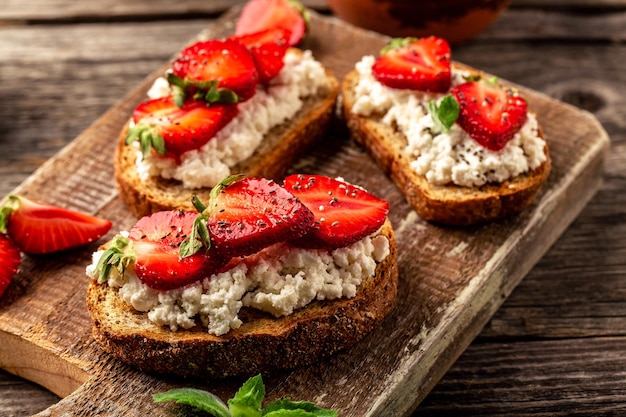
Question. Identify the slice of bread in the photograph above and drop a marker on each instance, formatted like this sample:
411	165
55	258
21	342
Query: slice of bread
281	147
263	343
447	204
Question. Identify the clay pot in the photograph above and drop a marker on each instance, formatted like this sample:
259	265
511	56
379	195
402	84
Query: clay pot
454	20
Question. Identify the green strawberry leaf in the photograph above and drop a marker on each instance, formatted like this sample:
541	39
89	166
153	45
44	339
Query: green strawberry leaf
118	255
397	43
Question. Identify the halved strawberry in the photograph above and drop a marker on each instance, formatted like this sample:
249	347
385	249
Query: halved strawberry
156	241
344	213
258	15
224	61
40	228
489	113
246	215
415	64
10	258
268	48
172	130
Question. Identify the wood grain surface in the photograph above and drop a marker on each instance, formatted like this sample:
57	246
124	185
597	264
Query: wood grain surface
555	347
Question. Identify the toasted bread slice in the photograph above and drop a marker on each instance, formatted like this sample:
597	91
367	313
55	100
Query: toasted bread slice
447	204
280	149
263	343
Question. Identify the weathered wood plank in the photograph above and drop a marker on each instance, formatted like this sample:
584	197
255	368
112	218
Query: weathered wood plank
12	11
571	378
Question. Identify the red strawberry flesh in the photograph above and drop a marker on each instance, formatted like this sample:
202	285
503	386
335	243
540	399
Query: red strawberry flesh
253	213
226	61
10	258
268	48
422	64
156	241
488	113
40	228
187	128
258	15
344	213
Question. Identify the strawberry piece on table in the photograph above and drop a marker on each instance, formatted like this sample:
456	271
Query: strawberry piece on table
156	241
246	215
39	228
489	113
10	258
225	62
268	48
173	130
258	15
344	213
415	64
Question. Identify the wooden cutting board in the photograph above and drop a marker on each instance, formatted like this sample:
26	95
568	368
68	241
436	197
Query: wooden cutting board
451	280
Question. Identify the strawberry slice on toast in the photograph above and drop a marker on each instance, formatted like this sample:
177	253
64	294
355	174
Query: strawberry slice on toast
489	113
214	65
245	215
344	213
415	64
258	15
40	228
170	130
10	258
153	246
268	48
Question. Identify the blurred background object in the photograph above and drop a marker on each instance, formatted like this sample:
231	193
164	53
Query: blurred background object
454	20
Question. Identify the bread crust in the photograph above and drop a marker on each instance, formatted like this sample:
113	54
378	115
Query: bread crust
263	343
446	204
279	150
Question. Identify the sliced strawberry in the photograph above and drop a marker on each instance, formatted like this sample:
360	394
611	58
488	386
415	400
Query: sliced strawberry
258	15
156	240
248	214
489	113
10	258
416	64
224	61
343	212
173	130
268	48
39	228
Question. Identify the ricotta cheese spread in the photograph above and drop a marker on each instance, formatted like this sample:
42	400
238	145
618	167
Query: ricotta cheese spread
277	280
302	76
445	157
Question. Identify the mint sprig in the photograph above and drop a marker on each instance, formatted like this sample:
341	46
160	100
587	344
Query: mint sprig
445	114
247	402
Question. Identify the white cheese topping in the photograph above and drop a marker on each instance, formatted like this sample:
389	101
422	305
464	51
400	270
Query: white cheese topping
443	158
277	280
302	76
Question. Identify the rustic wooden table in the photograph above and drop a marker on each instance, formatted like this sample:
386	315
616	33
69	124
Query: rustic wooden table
557	346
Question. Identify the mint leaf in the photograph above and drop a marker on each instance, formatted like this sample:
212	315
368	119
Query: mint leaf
199	399
288	408
248	400
445	114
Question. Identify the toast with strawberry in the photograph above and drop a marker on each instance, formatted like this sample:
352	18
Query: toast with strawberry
461	147
251	104
261	277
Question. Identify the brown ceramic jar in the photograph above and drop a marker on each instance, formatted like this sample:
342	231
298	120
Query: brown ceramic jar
455	20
